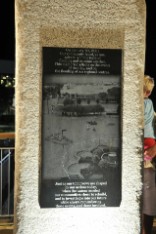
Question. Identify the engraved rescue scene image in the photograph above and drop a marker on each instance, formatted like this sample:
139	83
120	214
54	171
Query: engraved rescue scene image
81	132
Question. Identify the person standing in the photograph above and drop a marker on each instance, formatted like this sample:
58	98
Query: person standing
149	185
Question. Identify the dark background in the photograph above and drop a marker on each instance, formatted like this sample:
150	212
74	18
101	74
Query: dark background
150	59
7	30
7	37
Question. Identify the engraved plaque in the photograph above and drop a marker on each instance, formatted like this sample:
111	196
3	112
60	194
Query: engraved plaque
81	132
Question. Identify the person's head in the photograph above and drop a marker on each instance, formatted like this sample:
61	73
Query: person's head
148	86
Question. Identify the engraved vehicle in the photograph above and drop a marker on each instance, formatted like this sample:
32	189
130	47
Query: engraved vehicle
110	159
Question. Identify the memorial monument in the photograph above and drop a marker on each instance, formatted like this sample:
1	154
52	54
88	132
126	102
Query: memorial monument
79	109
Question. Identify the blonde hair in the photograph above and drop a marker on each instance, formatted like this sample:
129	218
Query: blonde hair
148	84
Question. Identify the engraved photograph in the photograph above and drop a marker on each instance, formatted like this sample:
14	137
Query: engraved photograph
81	127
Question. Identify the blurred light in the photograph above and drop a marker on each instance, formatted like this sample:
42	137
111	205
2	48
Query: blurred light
7	81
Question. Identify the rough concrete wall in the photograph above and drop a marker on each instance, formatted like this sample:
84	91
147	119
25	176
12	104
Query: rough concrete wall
93	24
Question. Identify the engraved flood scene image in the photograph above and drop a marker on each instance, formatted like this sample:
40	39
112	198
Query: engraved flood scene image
81	138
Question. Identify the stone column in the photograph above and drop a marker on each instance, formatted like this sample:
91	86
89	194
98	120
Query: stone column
109	24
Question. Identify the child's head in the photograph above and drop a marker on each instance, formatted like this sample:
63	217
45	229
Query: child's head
148	85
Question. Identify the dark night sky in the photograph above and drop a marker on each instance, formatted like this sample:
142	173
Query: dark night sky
150	60
7	37
7	30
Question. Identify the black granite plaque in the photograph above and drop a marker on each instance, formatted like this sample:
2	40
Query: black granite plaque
81	132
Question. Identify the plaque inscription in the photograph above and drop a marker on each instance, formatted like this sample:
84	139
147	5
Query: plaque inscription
81	134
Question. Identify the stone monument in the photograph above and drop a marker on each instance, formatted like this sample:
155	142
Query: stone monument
79	71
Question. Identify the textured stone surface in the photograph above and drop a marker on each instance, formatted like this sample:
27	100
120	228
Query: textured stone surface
71	23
